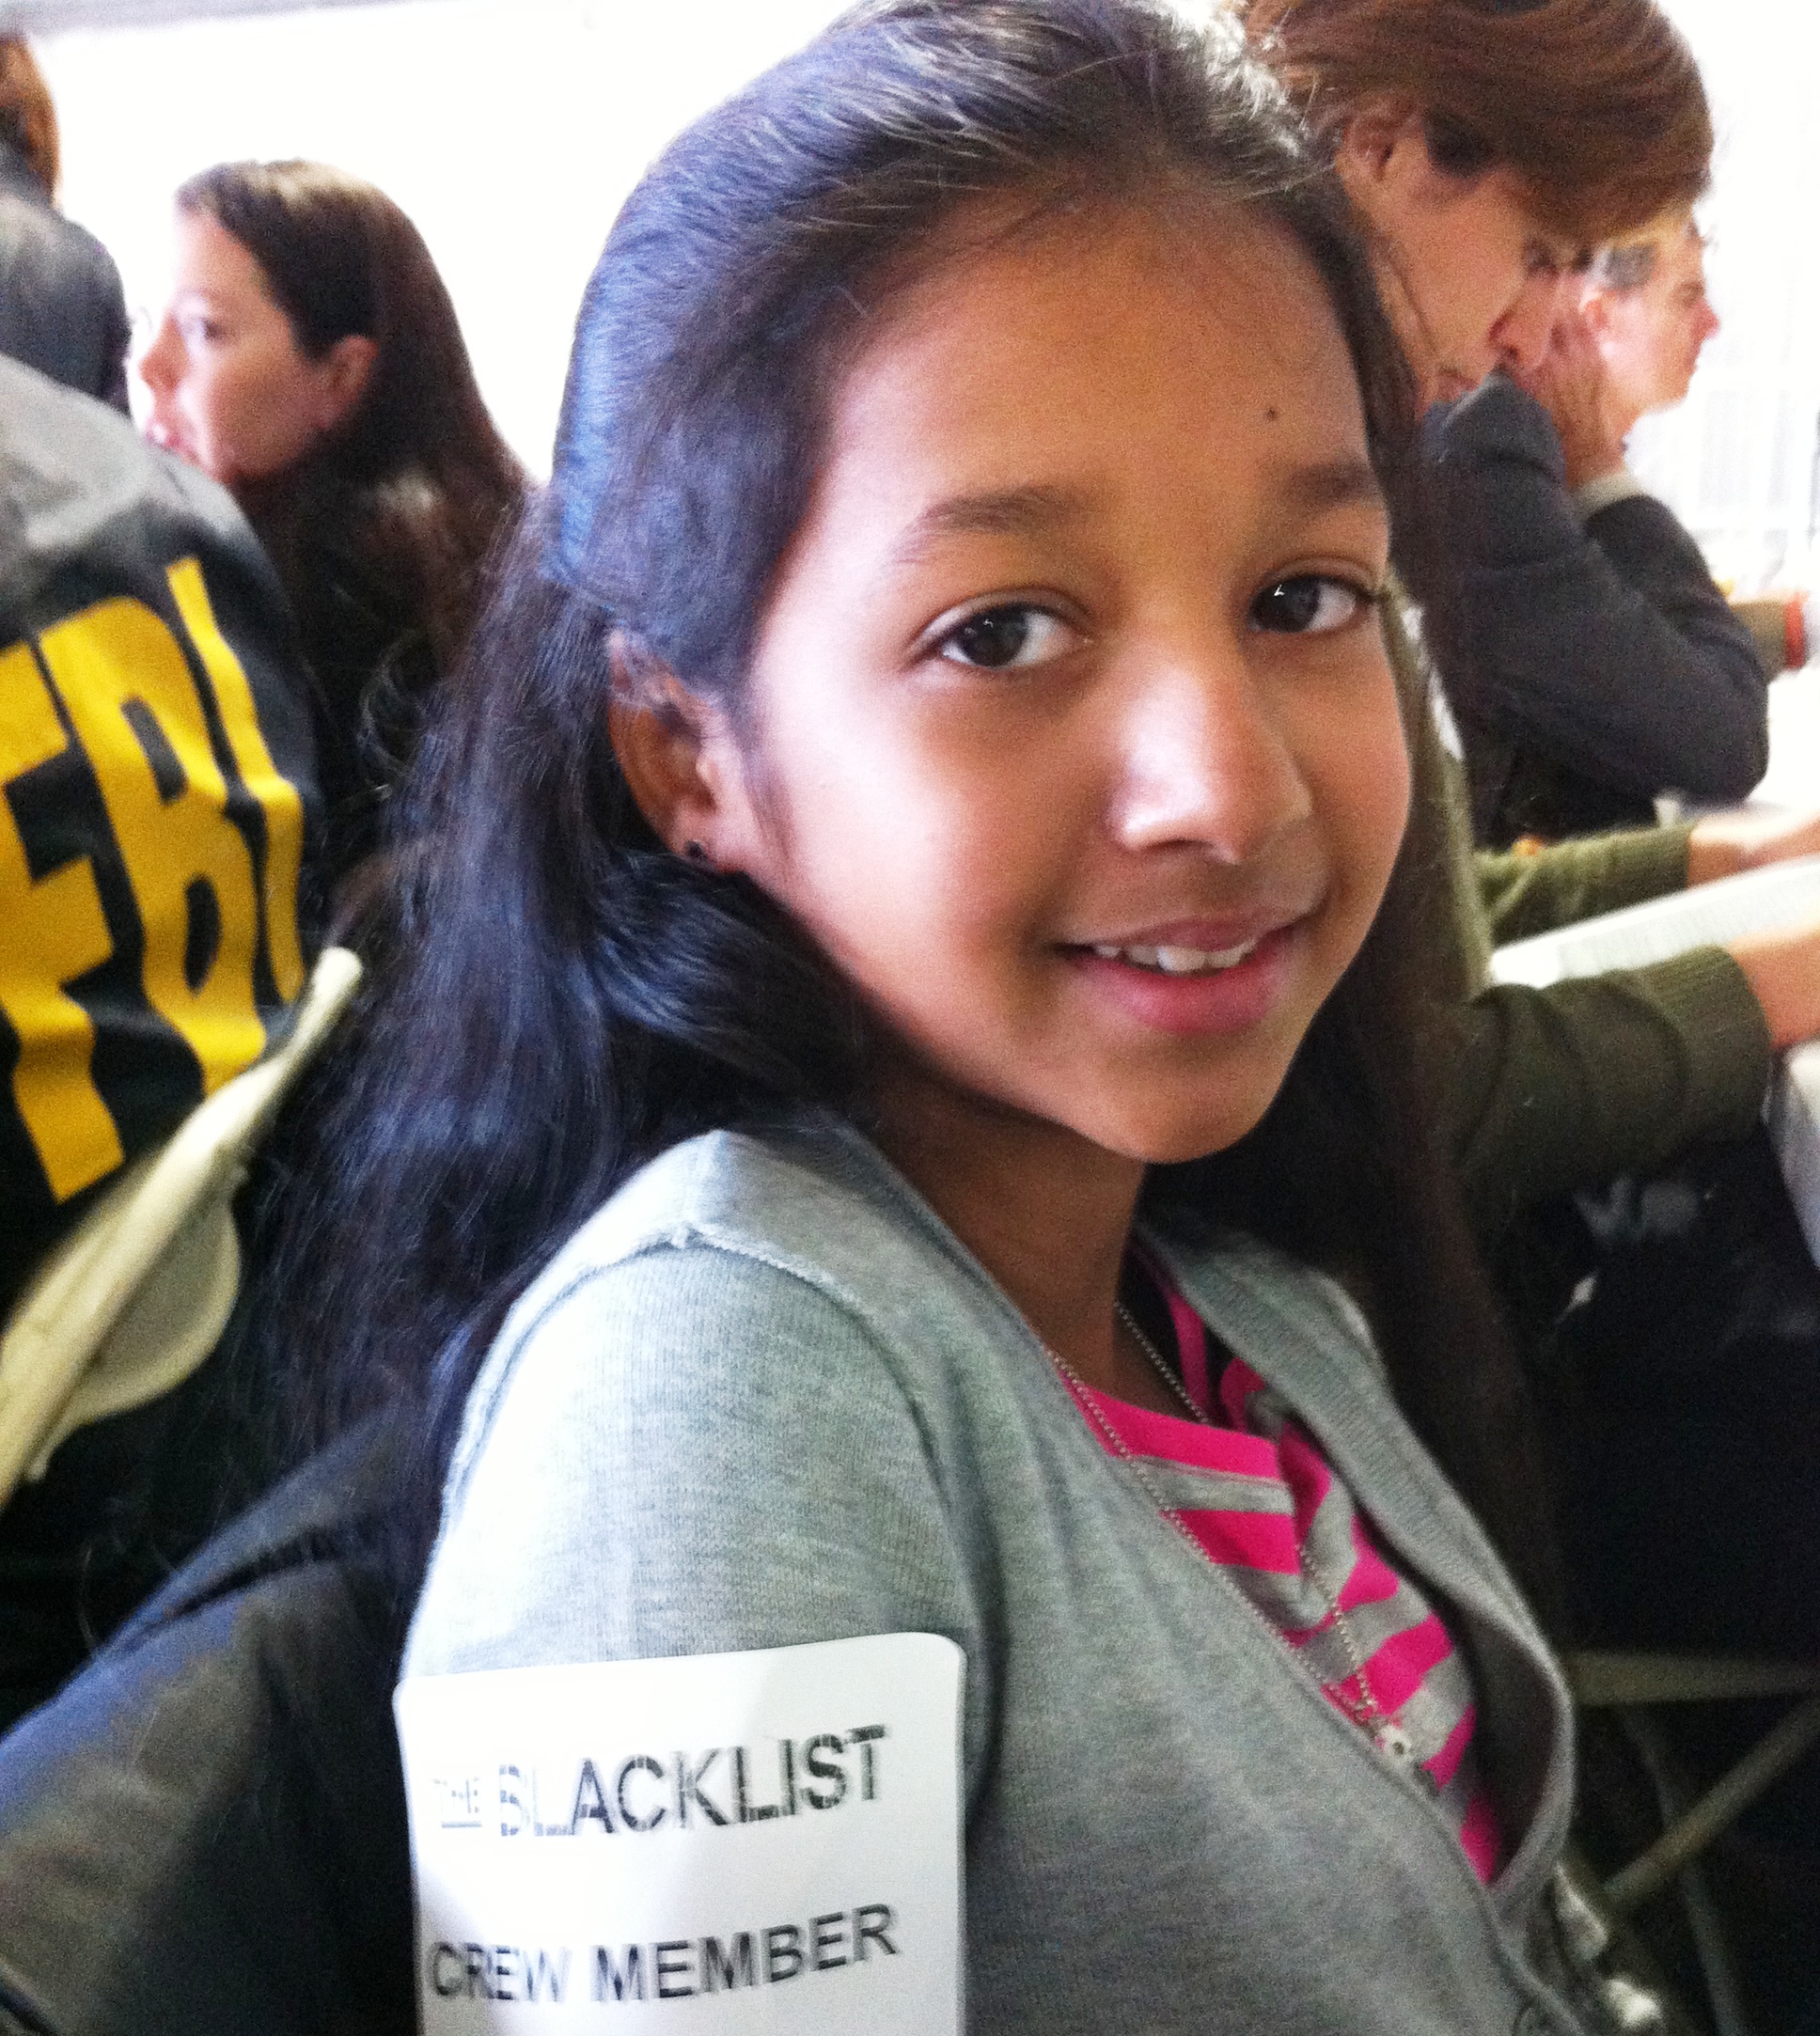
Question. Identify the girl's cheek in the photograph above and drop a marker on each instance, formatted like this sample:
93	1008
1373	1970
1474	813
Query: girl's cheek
1391	820
1368	791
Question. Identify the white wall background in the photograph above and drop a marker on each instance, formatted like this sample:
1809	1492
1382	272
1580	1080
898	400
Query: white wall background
1740	460
511	130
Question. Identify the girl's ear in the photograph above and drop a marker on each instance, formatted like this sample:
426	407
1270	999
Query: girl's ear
343	374
680	761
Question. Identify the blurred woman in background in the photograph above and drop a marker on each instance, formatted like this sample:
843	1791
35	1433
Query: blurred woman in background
311	359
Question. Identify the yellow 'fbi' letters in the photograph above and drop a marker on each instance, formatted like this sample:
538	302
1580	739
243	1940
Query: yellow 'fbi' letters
130	694
284	809
55	931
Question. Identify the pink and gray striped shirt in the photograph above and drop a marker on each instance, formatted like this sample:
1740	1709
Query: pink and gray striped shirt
1256	1495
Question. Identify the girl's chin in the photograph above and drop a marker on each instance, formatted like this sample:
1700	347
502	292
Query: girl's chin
1156	1137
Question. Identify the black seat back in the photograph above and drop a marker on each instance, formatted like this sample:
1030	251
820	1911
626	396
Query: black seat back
206	1830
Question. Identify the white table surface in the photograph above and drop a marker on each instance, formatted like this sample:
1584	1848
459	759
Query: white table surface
1793	780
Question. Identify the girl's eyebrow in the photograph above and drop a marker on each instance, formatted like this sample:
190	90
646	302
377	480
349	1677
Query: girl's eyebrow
991	513
1037	510
1332	484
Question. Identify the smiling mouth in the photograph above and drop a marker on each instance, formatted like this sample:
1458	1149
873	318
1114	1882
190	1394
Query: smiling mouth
1175	961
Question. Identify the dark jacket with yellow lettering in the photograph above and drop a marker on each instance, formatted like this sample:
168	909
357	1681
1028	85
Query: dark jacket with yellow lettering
158	782
157	814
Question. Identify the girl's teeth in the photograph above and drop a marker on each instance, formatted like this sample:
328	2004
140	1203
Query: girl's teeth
1177	961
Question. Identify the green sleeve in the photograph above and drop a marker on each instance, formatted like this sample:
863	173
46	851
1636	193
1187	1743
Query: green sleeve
1551	1089
1562	1087
1497	897
1578	880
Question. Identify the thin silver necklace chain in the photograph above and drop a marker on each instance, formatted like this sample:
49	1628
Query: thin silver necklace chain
1385	1733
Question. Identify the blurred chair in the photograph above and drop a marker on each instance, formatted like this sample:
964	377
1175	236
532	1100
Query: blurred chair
1633	1685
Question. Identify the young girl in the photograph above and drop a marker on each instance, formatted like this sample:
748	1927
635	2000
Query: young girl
922	843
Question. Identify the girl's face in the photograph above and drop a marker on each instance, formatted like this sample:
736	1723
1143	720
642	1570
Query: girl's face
231	390
1076	745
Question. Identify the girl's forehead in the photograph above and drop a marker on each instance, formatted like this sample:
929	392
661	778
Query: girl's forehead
1075	382
1214	308
1001	243
208	256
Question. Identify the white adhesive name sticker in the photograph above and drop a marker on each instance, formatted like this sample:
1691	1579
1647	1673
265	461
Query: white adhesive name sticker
713	1842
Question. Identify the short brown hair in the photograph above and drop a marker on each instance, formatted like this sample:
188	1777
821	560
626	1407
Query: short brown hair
1595	105
27	119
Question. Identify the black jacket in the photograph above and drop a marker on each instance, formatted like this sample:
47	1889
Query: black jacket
1589	666
61	307
108	687
155	755
206	1832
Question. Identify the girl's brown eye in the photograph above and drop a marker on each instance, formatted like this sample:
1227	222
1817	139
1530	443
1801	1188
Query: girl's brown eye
998	639
1307	604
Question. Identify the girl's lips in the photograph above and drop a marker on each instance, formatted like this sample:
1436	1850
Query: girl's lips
1176	996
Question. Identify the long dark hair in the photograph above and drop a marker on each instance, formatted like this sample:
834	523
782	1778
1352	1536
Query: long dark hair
381	531
569	997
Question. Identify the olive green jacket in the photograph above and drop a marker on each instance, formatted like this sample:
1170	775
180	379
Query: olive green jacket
1573	1085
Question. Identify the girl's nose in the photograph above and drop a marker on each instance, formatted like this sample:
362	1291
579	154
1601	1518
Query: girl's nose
158	363
1206	762
1521	334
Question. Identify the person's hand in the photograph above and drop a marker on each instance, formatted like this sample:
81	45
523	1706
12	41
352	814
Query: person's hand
1782	968
1571	385
1726	844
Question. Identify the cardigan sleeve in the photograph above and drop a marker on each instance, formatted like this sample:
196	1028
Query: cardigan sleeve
1526	894
1569	1086
1545	1091
691	1451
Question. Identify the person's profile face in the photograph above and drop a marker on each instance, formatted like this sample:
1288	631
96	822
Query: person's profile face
1078	745
1651	337
231	390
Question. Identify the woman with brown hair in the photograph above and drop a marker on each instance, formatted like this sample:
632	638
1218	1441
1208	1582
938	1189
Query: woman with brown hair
1589	660
61	307
311	360
1487	144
